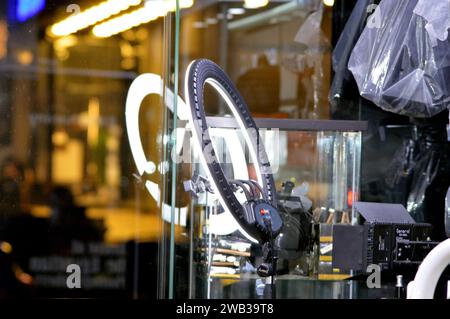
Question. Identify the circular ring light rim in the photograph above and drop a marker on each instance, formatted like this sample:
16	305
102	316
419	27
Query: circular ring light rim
218	80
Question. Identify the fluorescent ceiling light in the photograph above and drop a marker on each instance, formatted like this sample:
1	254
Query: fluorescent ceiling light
130	20
253	4
236	11
91	16
151	11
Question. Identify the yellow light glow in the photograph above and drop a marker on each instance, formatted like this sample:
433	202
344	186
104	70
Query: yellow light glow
3	39
5	247
126	49
128	21
25	57
151	11
94	121
253	4
60	138
91	16
328	3
128	63
62	46
65	42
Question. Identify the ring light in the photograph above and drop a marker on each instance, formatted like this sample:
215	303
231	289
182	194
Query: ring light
198	74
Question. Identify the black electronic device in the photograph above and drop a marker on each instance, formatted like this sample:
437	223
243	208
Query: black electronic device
387	237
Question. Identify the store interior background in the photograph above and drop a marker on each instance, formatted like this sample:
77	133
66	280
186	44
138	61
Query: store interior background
63	137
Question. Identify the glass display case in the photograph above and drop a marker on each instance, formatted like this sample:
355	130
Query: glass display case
95	149
316	166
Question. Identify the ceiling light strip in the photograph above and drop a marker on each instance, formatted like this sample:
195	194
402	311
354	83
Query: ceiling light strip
91	16
151	11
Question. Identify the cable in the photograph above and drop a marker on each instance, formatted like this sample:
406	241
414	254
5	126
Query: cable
242	184
256	191
255	183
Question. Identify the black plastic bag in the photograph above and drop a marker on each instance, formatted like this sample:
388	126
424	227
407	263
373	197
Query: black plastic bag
344	47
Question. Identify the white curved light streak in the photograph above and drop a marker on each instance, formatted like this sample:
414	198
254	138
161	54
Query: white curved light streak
141	87
146	84
429	272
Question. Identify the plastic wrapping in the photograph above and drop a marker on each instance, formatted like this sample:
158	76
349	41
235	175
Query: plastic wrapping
425	168
419	176
402	63
306	62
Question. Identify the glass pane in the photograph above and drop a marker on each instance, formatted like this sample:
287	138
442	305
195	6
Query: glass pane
325	168
76	217
278	54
